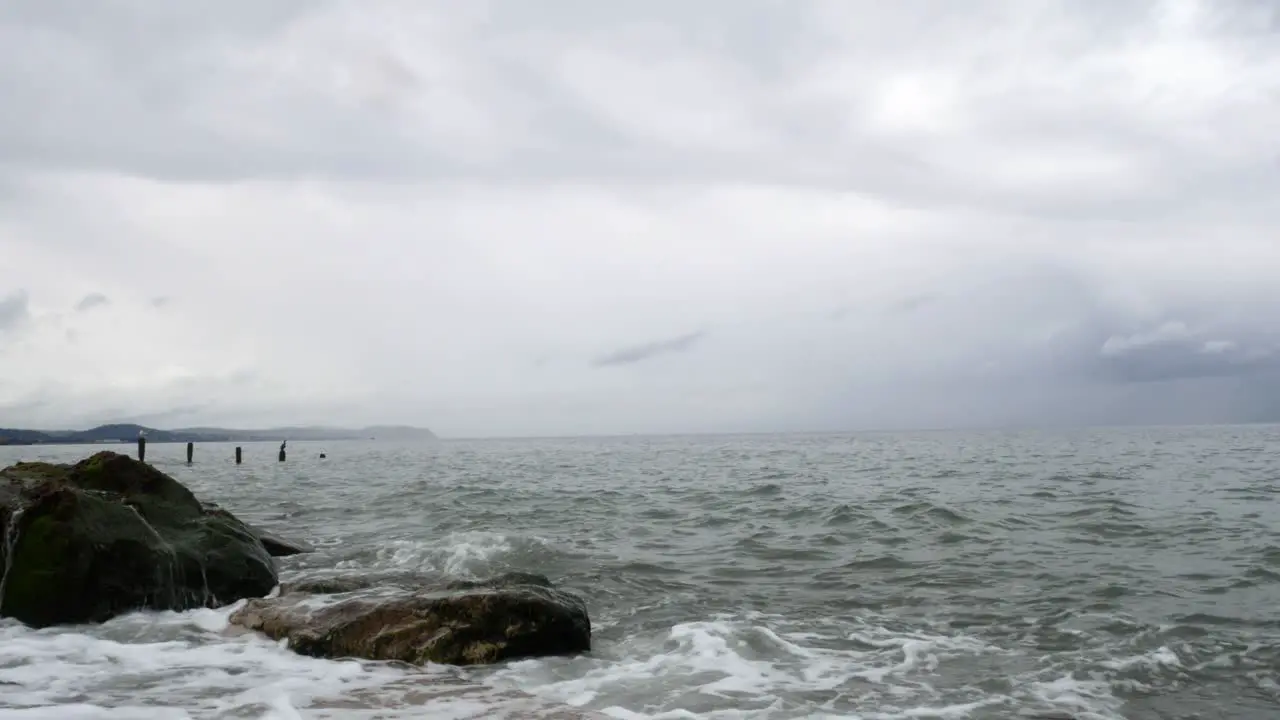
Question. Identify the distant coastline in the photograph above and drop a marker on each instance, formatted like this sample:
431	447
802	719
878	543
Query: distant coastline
118	433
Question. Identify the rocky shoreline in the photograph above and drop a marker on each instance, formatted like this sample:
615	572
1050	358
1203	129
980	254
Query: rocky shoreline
86	542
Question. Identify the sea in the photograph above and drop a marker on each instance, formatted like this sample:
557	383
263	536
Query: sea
1097	574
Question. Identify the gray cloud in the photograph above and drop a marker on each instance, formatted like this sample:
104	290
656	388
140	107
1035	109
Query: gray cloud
13	310
168	417
913	303
91	301
1174	351
18	409
567	119
892	214
649	350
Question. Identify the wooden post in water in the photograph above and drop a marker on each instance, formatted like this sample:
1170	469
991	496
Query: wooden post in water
142	449
281	458
191	449
237	454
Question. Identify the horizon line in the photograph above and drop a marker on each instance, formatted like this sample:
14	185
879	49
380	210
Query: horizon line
873	431
705	433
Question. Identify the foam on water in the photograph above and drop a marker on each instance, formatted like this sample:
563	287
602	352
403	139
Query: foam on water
193	665
754	666
188	665
470	554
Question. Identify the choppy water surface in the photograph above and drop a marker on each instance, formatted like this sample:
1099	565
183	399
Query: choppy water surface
1095	574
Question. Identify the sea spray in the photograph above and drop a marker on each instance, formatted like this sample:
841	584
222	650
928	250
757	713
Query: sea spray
10	546
169	573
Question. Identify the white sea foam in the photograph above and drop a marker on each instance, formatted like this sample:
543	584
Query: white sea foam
196	665
170	666
460	554
203	671
750	665
1083	699
1159	658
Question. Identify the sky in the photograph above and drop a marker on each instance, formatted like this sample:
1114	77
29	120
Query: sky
573	217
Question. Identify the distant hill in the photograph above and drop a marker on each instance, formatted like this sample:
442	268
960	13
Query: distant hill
116	433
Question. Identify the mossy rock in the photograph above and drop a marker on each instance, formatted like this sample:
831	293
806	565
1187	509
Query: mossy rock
487	622
108	535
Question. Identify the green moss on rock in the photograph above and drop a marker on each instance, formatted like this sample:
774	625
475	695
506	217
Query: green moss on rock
108	535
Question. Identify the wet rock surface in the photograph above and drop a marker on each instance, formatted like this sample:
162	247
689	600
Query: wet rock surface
278	546
88	541
511	616
275	545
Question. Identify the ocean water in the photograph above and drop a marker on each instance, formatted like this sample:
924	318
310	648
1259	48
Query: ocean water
1094	574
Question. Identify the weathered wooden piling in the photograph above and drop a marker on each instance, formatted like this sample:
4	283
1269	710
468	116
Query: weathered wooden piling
237	454
142	449
281	458
191	450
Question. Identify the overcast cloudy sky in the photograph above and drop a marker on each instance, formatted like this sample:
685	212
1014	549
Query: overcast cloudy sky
571	216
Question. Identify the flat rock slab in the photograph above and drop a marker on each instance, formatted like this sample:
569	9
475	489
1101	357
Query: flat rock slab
477	625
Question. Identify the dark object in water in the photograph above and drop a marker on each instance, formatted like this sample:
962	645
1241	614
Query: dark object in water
323	456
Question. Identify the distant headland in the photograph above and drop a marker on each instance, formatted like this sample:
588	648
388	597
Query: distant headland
129	433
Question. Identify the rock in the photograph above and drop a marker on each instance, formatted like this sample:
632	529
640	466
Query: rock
485	623
279	547
276	546
326	586
108	535
505	580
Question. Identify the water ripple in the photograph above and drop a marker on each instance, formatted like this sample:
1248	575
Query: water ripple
1104	574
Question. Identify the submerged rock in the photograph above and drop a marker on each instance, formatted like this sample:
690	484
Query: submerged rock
505	580
326	586
513	616
109	535
280	547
